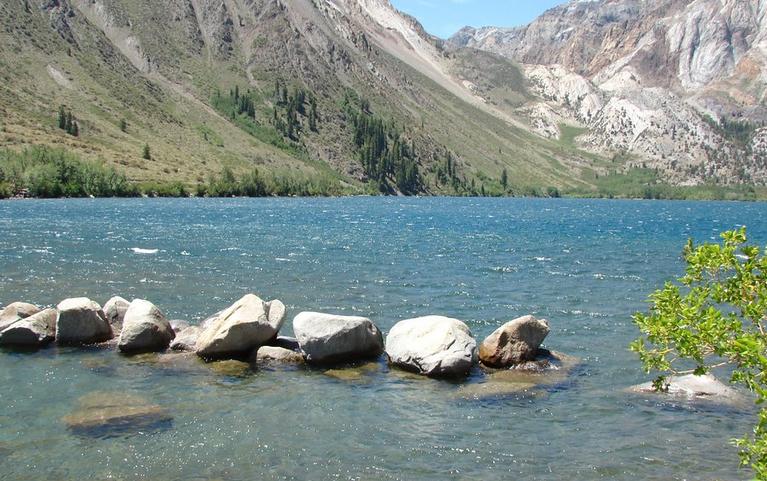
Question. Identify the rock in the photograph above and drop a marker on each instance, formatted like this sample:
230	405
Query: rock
231	368
432	346
15	312
178	325
145	329
690	386
364	372
36	330
114	310
285	342
81	321
327	338
186	340
106	414
246	325
277	355
208	321
515	342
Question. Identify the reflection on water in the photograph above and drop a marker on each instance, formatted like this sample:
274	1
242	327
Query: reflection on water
584	265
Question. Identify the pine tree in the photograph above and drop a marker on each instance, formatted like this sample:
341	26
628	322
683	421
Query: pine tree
146	154
62	118
504	179
123	125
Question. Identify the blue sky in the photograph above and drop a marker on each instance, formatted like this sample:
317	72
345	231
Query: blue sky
445	17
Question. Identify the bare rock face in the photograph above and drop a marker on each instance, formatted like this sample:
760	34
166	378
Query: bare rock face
115	309
16	311
432	346
326	338
246	325
513	343
145	329
36	330
81	321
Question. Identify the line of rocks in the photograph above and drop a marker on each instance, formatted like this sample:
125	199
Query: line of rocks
435	346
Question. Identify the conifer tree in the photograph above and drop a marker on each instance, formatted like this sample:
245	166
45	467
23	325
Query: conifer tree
504	179
146	154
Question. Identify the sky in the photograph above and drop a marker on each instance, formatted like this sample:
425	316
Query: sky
445	17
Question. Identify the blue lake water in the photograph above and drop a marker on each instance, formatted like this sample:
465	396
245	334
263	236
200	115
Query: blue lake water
584	265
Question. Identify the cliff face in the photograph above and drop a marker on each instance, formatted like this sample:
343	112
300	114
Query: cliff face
647	78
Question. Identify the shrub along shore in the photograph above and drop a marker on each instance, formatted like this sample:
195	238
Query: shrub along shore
42	172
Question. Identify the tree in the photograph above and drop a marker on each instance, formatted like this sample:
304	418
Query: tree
504	179
62	118
146	154
715	315
123	125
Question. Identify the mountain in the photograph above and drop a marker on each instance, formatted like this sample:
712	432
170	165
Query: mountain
678	84
358	94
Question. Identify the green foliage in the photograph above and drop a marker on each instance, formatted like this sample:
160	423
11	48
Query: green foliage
383	151
46	172
146	153
256	184
715	315
733	129
68	122
123	125
504	179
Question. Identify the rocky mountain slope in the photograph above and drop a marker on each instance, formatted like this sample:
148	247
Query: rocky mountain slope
358	94
677	84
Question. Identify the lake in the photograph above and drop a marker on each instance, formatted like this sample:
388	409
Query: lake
585	265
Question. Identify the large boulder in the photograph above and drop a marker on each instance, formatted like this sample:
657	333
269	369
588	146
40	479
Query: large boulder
433	346
115	310
513	343
16	311
246	325
145	329
36	330
186	339
692	387
81	321
327	338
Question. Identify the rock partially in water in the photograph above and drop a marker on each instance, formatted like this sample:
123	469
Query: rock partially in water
81	321
115	310
515	342
276	355
246	325
355	373
145	329
108	414
433	346
547	370
178	325
15	312
328	338
692	387
186	339
37	330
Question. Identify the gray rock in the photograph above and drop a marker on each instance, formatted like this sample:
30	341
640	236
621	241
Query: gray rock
692	387
15	312
36	330
433	346
246	325
326	338
145	329
114	310
290	343
277	355
186	339
178	325
513	343
81	321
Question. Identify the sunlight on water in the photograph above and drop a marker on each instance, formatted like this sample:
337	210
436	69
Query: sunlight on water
584	265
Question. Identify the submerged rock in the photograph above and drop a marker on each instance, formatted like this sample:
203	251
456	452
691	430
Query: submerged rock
230	368
145	329
355	373
36	330
115	310
81	321
107	414
432	346
515	342
186	339
326	338
16	311
277	355
692	387
246	325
